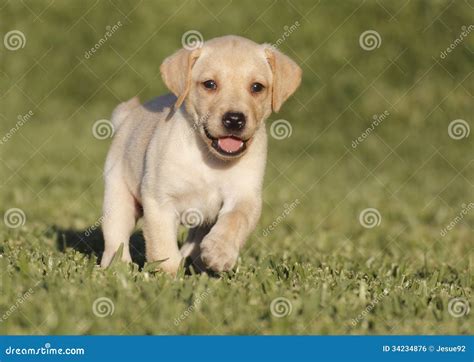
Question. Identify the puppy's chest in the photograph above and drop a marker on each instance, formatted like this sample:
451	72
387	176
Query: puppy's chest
198	197
190	185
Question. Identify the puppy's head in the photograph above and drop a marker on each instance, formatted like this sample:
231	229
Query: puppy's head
230	86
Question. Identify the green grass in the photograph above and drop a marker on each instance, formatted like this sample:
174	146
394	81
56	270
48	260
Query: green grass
319	257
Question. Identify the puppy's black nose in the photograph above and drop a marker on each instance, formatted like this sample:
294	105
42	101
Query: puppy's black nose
233	121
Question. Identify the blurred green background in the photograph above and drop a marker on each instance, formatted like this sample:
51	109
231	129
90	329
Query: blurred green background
337	276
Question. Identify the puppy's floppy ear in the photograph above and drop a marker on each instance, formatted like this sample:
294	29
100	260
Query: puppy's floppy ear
286	76
176	72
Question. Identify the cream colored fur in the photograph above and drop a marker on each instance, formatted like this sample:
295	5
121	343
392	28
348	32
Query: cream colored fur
161	159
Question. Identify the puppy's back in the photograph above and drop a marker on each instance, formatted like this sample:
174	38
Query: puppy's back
134	125
121	112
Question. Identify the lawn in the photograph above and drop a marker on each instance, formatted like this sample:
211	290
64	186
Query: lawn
368	215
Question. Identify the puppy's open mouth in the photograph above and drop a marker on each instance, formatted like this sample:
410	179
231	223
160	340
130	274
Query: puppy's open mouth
228	145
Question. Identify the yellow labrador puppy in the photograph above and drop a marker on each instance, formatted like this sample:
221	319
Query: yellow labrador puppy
200	151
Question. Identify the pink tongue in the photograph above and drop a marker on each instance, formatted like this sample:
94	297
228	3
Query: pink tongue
230	144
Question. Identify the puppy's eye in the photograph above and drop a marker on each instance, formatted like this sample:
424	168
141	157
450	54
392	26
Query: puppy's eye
210	84
257	87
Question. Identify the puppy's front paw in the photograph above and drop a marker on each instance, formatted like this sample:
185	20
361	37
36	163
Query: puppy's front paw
170	265
107	257
218	254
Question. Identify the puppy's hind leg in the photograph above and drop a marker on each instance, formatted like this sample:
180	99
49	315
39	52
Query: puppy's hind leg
119	219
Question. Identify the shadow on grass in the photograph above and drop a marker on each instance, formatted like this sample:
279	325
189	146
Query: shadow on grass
91	242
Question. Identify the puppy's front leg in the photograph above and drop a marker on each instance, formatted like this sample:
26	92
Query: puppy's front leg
160	231
220	248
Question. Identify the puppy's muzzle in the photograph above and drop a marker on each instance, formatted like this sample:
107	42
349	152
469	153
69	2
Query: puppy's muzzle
227	145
